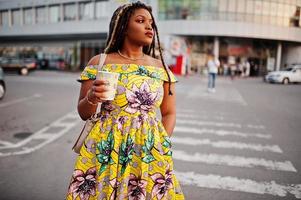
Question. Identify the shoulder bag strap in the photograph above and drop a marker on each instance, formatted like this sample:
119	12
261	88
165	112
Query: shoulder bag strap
102	60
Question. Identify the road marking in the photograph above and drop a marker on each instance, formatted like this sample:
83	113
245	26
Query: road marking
212	123
226	144
220	132
20	100
5	143
255	126
186	111
43	134
229	160
193	116
235	184
228	95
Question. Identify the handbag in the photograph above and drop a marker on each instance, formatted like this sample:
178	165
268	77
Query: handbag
92	120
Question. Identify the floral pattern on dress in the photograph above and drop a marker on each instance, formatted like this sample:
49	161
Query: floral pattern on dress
136	188
163	183
83	184
128	148
140	99
105	148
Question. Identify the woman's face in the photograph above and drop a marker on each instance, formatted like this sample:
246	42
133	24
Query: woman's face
140	30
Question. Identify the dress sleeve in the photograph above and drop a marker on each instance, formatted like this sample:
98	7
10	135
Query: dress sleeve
173	78
89	73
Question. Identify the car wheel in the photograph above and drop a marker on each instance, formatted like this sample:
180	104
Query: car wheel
285	81
24	71
2	90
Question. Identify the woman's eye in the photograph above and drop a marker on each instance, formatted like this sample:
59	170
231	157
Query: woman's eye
140	21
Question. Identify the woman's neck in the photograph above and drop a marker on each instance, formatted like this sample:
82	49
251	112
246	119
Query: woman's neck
131	51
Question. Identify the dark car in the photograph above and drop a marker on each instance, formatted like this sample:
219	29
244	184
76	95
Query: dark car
2	84
21	65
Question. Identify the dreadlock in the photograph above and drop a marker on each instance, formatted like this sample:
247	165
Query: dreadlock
118	26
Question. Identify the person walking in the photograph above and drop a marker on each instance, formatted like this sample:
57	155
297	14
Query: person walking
212	64
127	155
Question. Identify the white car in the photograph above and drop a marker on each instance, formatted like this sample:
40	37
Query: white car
292	74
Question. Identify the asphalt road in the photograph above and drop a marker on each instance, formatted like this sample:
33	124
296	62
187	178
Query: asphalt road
241	142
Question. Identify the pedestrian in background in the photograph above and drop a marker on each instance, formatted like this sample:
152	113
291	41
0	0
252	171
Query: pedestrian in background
127	154
212	65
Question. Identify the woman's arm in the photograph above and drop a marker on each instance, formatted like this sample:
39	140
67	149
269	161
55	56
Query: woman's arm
168	109
90	95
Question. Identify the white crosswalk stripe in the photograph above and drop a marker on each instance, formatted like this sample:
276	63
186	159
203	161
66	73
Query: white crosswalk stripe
219	132
236	184
226	144
237	161
43	134
190	124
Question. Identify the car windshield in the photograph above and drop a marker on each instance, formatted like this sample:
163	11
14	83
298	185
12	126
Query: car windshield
287	69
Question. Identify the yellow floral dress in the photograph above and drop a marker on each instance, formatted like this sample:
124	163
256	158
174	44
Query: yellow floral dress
127	155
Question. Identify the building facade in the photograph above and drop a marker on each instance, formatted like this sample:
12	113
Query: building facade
267	33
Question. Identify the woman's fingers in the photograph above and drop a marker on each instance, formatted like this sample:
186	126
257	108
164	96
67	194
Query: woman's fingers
100	82
101	88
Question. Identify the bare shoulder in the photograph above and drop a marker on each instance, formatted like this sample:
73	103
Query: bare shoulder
94	60
155	62
109	58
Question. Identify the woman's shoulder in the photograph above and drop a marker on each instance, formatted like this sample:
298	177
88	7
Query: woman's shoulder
94	60
154	62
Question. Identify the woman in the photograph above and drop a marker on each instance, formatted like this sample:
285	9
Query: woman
127	154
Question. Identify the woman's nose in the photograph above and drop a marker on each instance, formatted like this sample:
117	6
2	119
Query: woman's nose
149	27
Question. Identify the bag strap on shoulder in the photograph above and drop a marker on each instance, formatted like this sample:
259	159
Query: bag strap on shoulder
102	60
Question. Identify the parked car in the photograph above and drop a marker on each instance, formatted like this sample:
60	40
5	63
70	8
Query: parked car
292	74
2	84
52	64
21	65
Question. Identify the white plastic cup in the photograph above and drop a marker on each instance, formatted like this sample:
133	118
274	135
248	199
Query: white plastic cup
112	79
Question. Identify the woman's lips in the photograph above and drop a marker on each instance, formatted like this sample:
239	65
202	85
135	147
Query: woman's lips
149	34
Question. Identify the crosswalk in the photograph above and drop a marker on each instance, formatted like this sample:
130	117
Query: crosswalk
192	131
40	138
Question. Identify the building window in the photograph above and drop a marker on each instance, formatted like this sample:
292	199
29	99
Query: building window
54	14
41	15
16	18
70	12
241	6
4	18
28	16
86	10
101	9
232	6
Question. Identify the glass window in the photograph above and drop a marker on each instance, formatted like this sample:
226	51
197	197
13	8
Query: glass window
214	5
280	9
101	9
266	8
70	12
258	7
273	7
4	18
86	10
223	6
232	5
250	7
28	16
54	14
241	6
16	20
41	15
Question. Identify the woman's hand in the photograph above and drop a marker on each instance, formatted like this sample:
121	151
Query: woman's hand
98	91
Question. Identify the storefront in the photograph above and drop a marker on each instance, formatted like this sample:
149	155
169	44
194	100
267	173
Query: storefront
58	55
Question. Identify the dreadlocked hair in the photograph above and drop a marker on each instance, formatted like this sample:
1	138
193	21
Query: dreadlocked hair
118	26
